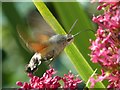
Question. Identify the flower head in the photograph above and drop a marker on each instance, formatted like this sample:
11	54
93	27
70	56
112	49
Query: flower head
70	81
106	47
49	82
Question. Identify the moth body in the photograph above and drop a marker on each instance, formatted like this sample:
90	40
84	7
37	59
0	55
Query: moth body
42	40
56	45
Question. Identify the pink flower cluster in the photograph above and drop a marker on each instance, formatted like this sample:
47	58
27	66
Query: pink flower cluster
49	82
70	81
106	47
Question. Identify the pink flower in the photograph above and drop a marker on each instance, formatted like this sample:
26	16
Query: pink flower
109	1
49	82
111	17
113	79
99	78
70	81
106	48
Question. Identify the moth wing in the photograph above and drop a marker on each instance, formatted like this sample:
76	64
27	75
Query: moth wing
34	44
38	47
36	32
38	25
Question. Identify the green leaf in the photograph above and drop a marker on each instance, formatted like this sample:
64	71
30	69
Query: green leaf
67	15
81	65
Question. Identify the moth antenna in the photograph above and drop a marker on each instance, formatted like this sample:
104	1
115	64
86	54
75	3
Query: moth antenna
83	31
77	34
72	26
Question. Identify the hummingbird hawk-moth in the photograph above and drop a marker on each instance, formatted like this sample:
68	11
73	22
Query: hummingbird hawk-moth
44	42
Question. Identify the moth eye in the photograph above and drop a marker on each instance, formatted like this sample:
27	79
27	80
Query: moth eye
69	39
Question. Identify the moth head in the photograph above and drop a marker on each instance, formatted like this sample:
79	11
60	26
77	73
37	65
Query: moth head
69	38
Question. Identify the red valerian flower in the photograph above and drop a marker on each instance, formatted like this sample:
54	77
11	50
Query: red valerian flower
99	78
106	47
111	17
47	81
113	79
70	81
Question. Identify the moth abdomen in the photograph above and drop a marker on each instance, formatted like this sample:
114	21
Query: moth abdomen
34	63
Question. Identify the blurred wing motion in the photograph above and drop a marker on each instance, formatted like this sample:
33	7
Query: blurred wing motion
36	33
36	36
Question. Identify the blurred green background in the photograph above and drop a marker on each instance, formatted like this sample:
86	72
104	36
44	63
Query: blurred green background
14	53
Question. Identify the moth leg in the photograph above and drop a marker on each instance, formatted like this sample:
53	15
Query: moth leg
49	57
45	60
50	61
